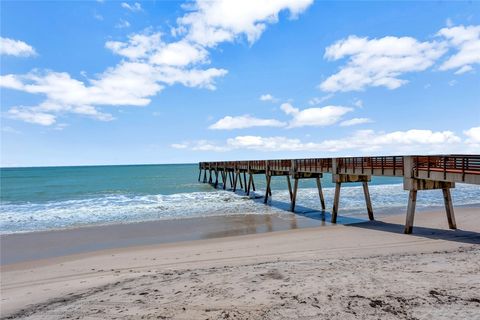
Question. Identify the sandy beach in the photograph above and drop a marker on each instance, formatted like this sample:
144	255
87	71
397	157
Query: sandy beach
359	271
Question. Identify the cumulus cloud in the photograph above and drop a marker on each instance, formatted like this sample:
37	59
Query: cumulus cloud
150	64
381	62
267	97
324	116
378	62
135	7
466	40
473	135
212	22
242	122
355	121
138	46
31	116
16	48
363	140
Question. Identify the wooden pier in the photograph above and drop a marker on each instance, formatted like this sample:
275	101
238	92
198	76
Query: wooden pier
418	172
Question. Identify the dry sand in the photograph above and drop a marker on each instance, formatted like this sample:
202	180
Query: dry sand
362	271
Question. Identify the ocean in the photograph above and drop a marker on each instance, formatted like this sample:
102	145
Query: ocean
45	198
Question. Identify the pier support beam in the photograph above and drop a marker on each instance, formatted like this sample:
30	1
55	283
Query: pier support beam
199	174
267	190
413	185
338	179
294	195
320	193
230	178
303	175
239	178
235	178
251	183
367	200
216	179
412	201
224	179
336	201
449	208
245	182
289	188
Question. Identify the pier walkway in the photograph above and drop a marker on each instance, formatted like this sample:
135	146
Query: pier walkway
418	172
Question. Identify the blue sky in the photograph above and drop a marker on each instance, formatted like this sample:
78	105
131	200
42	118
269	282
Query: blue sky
103	82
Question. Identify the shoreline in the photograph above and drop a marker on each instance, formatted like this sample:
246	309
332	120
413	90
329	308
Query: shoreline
44	244
22	247
244	275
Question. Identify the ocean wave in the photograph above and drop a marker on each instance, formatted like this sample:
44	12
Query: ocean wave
122	208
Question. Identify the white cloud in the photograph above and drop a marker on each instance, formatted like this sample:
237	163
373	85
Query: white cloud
151	64
378	62
190	77
473	135
316	100
151	47
464	69
179	145
127	84
180	53
409	141
138	46
122	24
467	42
268	97
31	116
15	48
242	122
132	7
358	103
211	22
204	145
381	62
355	121
324	116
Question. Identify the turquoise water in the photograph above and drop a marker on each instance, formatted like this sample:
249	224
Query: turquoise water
35	199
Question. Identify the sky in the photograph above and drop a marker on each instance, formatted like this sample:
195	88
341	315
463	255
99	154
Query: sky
113	82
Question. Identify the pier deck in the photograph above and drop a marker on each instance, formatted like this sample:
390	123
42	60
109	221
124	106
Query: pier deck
419	172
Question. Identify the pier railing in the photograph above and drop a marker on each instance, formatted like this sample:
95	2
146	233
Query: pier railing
460	168
279	165
314	165
258	165
383	165
458	165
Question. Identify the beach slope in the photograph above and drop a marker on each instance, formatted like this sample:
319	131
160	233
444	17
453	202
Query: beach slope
359	271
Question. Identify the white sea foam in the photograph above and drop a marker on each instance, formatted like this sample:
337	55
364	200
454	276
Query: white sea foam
26	217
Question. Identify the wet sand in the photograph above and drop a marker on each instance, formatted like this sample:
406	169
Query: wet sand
47	244
358	271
